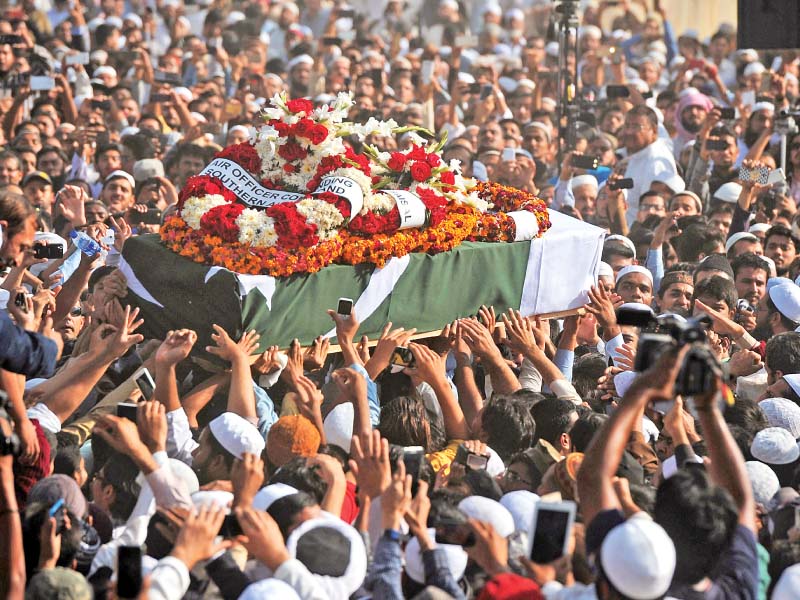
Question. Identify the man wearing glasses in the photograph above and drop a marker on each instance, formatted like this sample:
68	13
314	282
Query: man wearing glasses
648	157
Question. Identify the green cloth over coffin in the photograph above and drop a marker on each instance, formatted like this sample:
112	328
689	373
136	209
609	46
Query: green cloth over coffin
417	290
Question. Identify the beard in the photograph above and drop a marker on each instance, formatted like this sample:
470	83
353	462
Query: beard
691	127
762	332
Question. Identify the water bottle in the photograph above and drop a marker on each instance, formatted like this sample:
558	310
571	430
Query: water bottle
84	243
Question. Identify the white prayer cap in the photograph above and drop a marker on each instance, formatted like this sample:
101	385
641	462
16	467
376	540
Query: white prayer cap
219	498
120	174
772	270
781	412
237	435
630	269
673	182
759	228
507	84
765	106
99	56
786	298
292	7
549	103
235	16
586	179
746	54
754	68
464	77
494	465
338	426
695	198
515	14
788	586
520	504
270	493
133	18
526	83
638	557
269	588
728	192
738	237
493	9
300	59
622	239
793	380
773	281
590	31
490	511
775	446
114	21
454	557
104	70
551	49
605	270
543	127
763	481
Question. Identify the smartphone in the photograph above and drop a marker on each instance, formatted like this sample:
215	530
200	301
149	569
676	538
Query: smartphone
345	307
48	251
760	174
129	571
585	162
402	358
19	300
426	71
126	56
41	83
727	114
471	460
509	154
748	97
144	381
622	184
10	39
474	88
81	58
151	217
346	13
486	90
57	512
101	104
161	76
127	410
332	41
412	458
230	527
466	41
716	144
617	91
160	98
551	530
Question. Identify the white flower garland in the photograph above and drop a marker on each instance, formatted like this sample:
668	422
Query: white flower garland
256	228
195	207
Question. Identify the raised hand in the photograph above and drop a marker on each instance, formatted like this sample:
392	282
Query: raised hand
151	422
520	333
430	366
176	347
113	342
389	340
315	355
396	499
247	475
196	540
262	537
370	463
478	338
601	305
229	350
122	232
351	383
346	326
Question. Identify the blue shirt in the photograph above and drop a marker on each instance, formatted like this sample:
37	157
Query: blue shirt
24	352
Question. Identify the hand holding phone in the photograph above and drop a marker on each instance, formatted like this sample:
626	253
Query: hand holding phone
509	154
145	383
551	531
129	571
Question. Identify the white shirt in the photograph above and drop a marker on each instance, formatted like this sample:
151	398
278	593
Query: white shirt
654	161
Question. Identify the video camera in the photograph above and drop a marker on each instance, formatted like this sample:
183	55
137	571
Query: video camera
785	122
700	367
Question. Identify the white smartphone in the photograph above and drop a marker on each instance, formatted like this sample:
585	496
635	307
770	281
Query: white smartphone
509	154
551	530
426	71
144	381
748	97
81	58
345	307
40	83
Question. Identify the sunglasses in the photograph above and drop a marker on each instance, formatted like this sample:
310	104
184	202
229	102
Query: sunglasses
76	311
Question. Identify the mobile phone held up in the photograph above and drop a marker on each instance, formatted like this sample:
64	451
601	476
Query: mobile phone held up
472	461
759	175
129	571
48	251
145	383
551	530
585	162
402	358
345	307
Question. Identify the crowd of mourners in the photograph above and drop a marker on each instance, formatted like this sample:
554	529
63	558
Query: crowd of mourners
670	440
